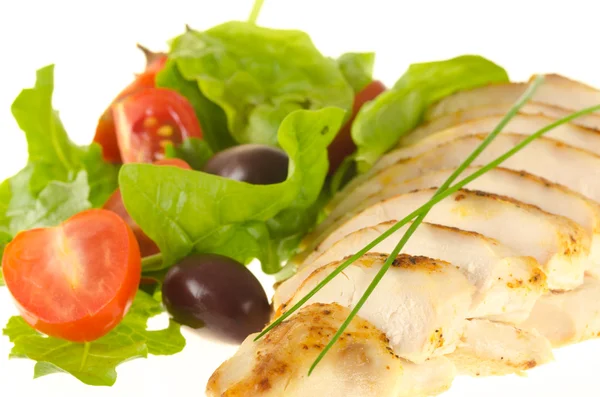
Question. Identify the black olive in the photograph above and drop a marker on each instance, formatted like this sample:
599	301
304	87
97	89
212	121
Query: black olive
252	163
216	292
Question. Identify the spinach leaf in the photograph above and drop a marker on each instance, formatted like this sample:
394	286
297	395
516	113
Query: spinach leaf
183	210
193	151
380	123
357	69
212	118
97	366
258	76
60	178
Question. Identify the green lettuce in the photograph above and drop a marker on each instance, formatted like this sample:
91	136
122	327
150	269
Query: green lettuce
381	123
357	68
257	76
185	211
96	365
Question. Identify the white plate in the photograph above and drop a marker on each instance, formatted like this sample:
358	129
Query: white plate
92	44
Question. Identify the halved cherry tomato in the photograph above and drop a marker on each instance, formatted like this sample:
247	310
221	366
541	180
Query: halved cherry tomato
146	121
115	204
343	145
77	280
105	131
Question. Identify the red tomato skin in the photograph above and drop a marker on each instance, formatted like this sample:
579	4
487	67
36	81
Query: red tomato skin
115	204
342	145
90	327
141	120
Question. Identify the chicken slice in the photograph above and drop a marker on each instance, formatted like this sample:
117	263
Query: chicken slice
556	91
570	316
360	364
561	246
522	186
574	136
507	285
420	304
536	112
574	168
490	348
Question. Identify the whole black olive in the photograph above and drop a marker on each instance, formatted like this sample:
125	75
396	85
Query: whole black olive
216	292
252	163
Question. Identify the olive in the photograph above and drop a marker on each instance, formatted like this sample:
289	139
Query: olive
217	292
252	163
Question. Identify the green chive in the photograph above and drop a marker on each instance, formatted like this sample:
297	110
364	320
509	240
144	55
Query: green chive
417	222
426	207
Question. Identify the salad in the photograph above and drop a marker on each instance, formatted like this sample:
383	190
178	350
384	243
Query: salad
227	149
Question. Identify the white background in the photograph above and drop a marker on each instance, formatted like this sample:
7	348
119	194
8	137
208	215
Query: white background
92	44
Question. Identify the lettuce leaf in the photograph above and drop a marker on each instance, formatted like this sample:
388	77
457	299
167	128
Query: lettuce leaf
381	123
258	76
357	68
183	210
60	178
97	365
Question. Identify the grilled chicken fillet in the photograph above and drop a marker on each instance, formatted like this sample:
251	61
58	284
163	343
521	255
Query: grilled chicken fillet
506	285
360	364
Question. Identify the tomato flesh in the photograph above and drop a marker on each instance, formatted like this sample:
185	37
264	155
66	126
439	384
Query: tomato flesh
148	120
115	204
342	145
77	280
106	134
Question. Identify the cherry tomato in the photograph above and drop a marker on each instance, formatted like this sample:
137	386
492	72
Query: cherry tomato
105	131
343	145
146	121
115	204
77	280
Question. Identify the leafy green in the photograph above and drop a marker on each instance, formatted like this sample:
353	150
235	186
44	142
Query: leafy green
55	203
212	118
258	76
193	151
357	68
96	365
183	210
52	154
60	178
380	123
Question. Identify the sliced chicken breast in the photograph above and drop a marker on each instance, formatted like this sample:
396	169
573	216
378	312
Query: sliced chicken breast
583	138
570	316
420	304
561	246
506	285
490	348
556	91
360	364
574	168
495	111
522	186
